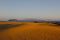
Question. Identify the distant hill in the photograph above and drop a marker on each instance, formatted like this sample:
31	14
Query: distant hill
26	20
31	20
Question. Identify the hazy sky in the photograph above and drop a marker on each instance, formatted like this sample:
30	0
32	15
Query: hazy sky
29	9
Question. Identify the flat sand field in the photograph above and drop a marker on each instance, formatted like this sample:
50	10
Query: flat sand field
29	31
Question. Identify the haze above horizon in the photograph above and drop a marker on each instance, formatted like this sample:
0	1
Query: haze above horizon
20	9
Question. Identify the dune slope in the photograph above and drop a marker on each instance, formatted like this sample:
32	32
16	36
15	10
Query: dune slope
31	31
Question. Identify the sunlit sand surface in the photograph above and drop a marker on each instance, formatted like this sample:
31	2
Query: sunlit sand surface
30	31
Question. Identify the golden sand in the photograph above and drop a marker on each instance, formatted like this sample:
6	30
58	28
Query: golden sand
30	31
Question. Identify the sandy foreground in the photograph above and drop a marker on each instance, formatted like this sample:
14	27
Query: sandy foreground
30	31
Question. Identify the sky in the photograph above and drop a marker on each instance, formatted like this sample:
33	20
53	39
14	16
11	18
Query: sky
21	9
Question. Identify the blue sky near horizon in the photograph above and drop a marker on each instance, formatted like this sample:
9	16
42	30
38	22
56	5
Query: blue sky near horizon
20	9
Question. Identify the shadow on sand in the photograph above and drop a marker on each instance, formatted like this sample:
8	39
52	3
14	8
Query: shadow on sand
7	26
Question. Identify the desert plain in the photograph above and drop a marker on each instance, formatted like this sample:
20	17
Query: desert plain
29	31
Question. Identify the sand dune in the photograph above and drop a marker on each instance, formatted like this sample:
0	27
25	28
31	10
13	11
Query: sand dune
30	31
